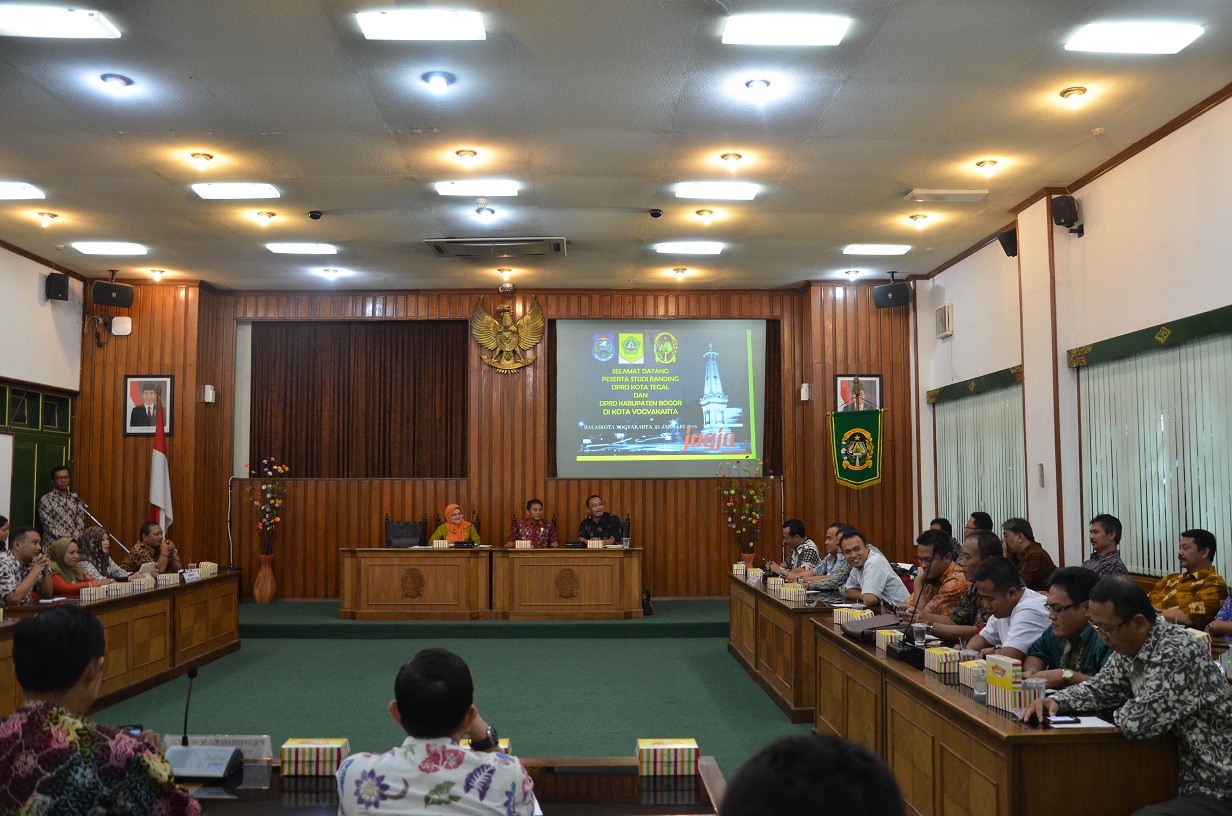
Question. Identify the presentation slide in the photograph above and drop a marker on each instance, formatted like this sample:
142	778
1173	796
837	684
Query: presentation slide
657	398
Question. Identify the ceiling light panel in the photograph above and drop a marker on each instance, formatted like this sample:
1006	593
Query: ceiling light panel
479	187
421	24
718	190
62	23
302	249
1134	37
19	190
232	190
689	248
876	249
785	29
108	248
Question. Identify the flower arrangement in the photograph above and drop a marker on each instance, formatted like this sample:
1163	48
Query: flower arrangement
743	489
268	497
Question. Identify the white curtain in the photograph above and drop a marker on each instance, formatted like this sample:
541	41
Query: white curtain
1155	449
981	456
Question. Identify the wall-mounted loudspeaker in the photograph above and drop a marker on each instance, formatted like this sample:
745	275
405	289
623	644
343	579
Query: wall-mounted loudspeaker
57	286
1064	211
1009	242
891	294
105	293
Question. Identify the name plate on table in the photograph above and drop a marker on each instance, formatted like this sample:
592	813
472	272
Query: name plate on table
191	575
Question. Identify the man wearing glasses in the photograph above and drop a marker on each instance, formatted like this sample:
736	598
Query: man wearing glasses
979	522
1160	680
1070	652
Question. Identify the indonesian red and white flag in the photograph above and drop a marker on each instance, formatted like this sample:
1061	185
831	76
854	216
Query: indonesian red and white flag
160	474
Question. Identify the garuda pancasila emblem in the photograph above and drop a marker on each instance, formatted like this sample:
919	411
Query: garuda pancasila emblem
511	342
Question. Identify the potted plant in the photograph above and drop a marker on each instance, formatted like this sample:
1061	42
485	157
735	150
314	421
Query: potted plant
743	490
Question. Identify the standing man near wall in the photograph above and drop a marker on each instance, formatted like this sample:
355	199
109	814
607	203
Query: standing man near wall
60	512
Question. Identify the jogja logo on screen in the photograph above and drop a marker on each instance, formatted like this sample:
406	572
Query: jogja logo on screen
603	347
711	440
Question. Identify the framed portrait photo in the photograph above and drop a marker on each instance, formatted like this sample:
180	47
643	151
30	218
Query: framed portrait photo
844	392
140	396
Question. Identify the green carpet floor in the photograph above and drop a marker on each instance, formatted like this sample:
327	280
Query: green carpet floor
550	696
319	619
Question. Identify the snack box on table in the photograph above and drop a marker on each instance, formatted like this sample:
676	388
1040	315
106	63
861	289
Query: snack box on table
166	579
119	589
941	659
667	757
887	636
966	672
1005	689
845	615
93	594
142	584
313	757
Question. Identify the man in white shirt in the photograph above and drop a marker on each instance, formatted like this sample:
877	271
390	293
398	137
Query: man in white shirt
1019	614
872	580
433	704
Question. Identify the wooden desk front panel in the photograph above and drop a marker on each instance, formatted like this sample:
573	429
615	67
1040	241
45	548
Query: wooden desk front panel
564	584
848	699
138	641
10	692
425	584
742	627
206	617
785	654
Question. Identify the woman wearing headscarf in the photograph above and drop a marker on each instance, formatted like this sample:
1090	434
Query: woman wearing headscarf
67	576
96	561
456	527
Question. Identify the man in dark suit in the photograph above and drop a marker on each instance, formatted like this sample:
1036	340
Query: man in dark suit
145	414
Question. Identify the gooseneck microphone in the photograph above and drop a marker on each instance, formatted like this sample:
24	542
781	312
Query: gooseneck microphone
211	761
192	674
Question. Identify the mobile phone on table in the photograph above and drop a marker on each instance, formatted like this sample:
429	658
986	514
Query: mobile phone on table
1061	719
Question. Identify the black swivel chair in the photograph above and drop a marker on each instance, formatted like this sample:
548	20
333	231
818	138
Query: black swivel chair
406	533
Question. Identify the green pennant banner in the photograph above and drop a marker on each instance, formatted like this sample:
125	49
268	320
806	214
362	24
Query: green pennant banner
856	439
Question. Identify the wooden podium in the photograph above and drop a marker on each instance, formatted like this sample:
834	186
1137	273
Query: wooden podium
415	584
567	584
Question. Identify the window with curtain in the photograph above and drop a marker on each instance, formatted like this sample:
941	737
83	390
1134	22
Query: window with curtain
981	456
352	399
1156	451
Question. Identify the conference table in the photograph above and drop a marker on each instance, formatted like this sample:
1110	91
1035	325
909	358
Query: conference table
423	583
152	636
564	786
773	640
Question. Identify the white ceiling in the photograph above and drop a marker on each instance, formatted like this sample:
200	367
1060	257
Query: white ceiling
596	107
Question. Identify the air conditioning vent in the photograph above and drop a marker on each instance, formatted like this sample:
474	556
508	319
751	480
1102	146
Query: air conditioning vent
495	247
920	195
945	321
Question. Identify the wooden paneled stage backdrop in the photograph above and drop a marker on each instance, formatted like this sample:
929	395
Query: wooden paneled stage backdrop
189	331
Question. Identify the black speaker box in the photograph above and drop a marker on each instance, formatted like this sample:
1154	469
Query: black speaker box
891	294
57	286
105	293
1064	211
1009	242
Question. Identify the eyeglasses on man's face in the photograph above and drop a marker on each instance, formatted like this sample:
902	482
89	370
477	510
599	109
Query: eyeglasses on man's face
1107	631
1055	610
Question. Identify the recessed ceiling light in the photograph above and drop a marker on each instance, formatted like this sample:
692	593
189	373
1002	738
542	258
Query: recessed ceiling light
731	158
202	160
680	270
1074	96
235	190
46	218
157	274
330	273
758	85
108	248
876	249
505	272
1134	38
987	167
706	216
689	248
15	190
718	190
64	23
439	80
785	29
115	83
852	273
265	216
302	249
488	188
482	210
421	24
467	157
920	220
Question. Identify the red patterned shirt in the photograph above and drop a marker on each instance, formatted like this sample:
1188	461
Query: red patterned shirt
540	534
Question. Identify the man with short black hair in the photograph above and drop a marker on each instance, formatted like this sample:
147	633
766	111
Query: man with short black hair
830	575
1161	681
60	513
942	524
940	584
1069	652
978	522
58	762
1105	537
434	704
970	614
541	534
784	779
804	555
1035	566
24	568
1192	597
598	523
1018	614
872	580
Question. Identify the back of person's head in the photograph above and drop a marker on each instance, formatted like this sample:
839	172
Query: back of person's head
20	534
1020	526
988	544
941	542
1125	595
982	520
944	524
786	778
1003	575
434	691
1111	524
1076	582
51	650
1203	540
794	527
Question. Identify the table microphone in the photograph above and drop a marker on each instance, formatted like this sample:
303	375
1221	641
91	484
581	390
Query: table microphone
211	762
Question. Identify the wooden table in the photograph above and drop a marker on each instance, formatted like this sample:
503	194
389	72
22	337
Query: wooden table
152	637
773	640
417	583
567	584
953	756
421	583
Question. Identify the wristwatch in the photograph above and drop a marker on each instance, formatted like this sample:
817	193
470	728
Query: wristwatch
1067	676
490	741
